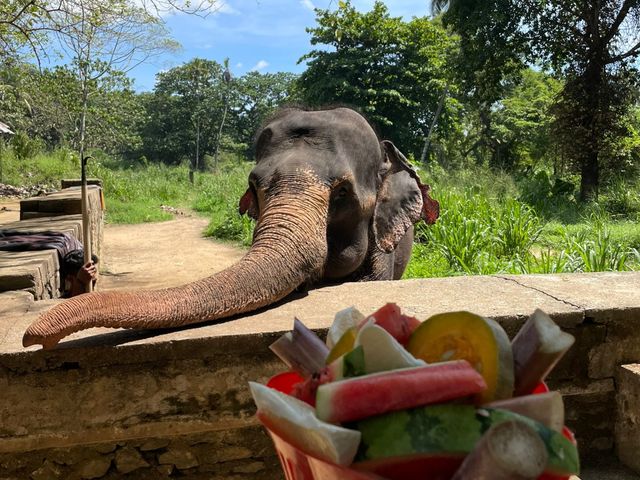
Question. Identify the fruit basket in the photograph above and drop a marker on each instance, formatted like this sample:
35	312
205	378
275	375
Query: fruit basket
303	458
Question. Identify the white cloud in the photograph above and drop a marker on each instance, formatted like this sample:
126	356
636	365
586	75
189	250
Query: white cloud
261	65
224	7
308	4
239	65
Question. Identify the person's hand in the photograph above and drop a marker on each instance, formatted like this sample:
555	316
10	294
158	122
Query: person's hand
87	273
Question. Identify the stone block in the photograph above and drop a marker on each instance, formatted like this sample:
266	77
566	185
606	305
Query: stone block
621	346
627	426
128	460
574	366
76	182
30	271
589	415
93	468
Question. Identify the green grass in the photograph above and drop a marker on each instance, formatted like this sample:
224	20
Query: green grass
42	169
489	227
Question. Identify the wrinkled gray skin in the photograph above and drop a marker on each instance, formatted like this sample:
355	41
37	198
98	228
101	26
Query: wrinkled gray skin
331	204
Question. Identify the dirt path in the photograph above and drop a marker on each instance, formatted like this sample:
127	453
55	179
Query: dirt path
152	255
164	254
9	210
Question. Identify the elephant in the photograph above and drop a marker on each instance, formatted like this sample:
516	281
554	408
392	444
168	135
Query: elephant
332	204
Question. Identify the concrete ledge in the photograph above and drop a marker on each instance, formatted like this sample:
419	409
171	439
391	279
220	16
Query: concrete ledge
104	387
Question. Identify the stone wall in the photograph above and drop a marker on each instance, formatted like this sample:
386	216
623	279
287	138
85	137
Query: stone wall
176	404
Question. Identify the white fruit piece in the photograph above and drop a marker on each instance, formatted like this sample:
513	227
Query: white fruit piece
297	423
343	321
382	352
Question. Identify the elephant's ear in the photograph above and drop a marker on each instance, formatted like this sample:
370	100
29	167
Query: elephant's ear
402	200
248	204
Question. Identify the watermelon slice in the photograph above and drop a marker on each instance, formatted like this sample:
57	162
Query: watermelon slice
348	365
436	438
296	423
393	321
374	394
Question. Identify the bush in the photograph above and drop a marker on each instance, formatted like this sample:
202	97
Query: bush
25	147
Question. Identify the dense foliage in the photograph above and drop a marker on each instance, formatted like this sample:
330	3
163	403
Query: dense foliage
592	46
394	71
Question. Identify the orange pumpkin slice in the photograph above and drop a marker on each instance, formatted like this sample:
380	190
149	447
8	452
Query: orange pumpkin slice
466	336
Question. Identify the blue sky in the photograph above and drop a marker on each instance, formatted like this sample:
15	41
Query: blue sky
263	35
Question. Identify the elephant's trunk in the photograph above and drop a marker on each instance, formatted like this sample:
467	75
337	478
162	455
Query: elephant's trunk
289	248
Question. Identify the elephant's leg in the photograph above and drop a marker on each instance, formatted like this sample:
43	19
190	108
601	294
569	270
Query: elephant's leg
402	254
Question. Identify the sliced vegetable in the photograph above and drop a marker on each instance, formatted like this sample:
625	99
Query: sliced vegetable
297	424
463	335
343	321
382	352
344	345
301	350
546	408
351	364
510	450
446	431
537	348
369	395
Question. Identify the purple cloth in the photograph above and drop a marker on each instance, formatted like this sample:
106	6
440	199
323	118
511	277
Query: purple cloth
17	241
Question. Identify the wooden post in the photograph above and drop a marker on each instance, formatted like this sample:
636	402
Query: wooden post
86	234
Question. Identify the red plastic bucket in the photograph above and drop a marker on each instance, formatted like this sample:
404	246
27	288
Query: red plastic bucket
298	465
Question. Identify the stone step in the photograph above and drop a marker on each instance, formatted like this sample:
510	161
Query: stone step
71	224
627	429
36	272
66	202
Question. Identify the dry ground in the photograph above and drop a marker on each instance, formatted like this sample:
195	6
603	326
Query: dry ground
152	255
163	254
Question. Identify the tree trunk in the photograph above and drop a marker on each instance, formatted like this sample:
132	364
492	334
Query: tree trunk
289	249
589	177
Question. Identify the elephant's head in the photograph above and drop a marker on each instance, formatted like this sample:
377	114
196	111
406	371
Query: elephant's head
325	194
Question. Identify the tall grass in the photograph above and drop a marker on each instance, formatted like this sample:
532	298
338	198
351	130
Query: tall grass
485	227
218	196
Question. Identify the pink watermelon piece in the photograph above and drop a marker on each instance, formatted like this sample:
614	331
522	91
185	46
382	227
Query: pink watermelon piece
378	393
393	321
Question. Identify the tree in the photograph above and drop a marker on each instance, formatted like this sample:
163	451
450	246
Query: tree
30	23
520	124
394	71
105	36
591	44
184	112
44	105
258	96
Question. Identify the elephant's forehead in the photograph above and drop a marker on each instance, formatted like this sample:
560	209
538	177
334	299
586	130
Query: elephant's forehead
342	125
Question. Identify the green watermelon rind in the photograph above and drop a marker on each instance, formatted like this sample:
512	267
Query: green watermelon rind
349	365
451	429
